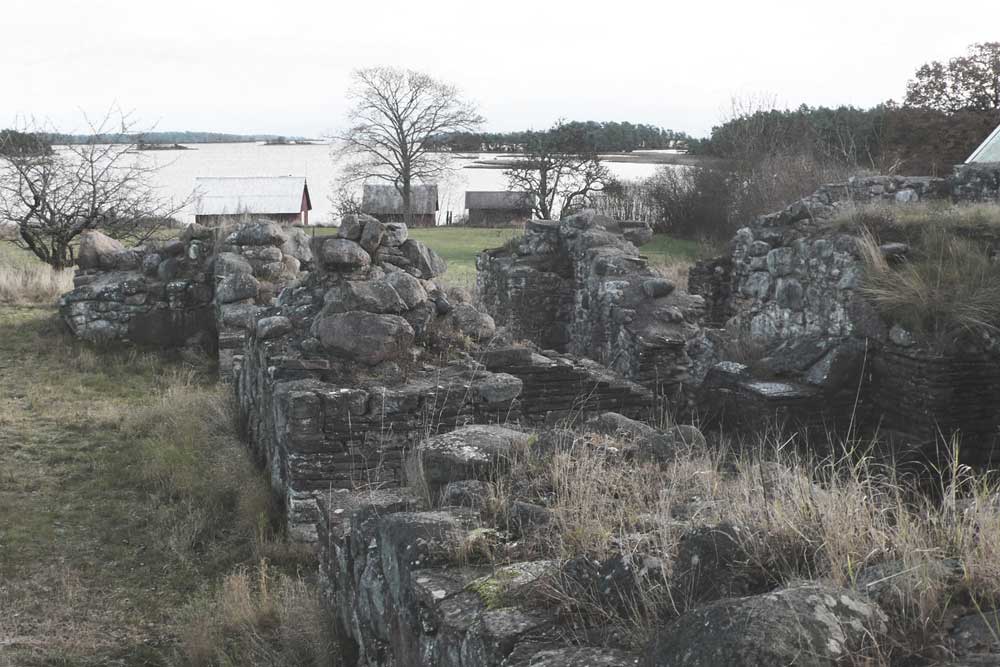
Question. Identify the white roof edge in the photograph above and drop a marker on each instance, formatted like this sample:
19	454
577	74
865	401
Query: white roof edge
982	146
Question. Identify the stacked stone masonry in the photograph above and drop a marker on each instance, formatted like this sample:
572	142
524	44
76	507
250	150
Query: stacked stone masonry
825	359
580	286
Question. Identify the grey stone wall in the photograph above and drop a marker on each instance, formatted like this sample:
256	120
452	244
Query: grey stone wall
358	361
202	289
580	286
824	358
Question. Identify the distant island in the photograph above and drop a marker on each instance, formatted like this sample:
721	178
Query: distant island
286	141
169	139
143	146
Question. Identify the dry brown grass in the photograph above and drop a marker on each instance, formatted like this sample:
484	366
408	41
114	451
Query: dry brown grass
39	283
675	271
949	286
918	215
256	618
798	518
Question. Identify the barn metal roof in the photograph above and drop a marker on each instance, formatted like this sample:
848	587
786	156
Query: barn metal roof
989	150
385	199
503	200
259	194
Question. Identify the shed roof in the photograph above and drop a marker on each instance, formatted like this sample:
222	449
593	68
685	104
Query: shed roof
260	194
503	200
989	150
385	199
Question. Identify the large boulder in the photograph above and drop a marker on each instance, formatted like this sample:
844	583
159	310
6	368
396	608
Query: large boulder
97	250
810	625
372	235
342	255
396	234
470	452
642	440
424	262
236	287
367	338
226	263
407	287
352	226
297	245
257	233
500	388
472	322
373	296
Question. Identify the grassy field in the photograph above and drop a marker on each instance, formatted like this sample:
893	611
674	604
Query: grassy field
460	245
128	505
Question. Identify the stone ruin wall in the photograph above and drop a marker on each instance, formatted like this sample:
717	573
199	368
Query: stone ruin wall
365	358
202	290
580	286
827	359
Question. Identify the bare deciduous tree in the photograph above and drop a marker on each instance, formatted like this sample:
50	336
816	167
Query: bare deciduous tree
560	169
53	194
396	116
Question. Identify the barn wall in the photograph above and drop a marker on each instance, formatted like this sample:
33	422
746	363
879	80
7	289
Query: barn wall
493	217
280	218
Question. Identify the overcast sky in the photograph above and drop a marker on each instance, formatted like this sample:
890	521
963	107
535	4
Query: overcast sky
282	67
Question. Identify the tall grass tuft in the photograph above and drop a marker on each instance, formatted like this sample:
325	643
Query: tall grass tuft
949	286
256	618
33	284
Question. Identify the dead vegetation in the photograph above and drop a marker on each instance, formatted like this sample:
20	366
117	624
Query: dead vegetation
257	617
780	516
947	285
916	216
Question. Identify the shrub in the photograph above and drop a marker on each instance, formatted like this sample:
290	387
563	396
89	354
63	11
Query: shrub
711	203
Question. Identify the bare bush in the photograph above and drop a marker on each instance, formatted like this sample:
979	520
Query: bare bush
54	194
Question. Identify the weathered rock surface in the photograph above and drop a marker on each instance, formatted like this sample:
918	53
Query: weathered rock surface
471	322
471	452
373	296
342	254
237	287
365	337
810	625
423	262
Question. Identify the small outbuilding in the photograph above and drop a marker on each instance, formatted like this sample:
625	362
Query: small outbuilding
282	199
498	208
385	203
988	151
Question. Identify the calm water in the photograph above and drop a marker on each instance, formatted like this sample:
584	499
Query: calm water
178	169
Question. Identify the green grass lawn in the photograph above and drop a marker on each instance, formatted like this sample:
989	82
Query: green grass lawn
460	245
114	507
